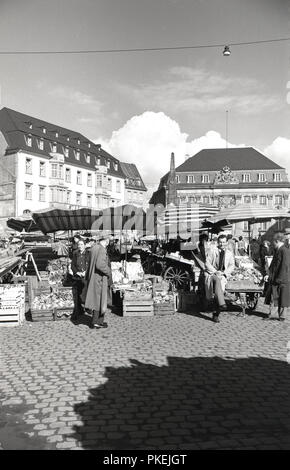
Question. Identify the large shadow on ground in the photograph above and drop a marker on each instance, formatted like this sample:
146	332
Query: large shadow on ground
190	403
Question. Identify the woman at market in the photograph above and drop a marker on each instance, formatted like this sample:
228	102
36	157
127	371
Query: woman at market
265	250
78	269
98	278
278	294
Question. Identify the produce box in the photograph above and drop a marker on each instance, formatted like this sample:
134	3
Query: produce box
62	313
12	304
42	315
167	308
138	308
242	285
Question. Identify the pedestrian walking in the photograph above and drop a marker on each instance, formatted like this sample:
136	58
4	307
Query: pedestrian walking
98	278
278	294
219	264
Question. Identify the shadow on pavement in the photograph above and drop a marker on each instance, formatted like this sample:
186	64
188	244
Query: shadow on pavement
202	402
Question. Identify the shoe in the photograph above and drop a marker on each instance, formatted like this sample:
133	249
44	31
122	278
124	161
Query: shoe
103	325
281	319
223	308
215	318
268	317
95	327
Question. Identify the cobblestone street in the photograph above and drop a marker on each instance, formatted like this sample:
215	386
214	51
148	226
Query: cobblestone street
172	382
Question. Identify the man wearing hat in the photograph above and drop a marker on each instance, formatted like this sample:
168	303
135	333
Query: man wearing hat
97	277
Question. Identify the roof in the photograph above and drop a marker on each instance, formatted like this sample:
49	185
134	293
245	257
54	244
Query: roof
240	158
16	126
132	176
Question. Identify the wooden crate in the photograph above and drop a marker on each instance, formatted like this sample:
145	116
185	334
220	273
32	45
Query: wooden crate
42	315
12	304
63	313
166	308
138	308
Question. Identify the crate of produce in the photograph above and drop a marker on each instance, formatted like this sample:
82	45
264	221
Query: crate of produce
63	313
12	304
138	308
42	314
166	308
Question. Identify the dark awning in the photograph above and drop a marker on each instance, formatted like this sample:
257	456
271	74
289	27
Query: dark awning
20	224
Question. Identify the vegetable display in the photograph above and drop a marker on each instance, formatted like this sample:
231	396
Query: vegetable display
57	269
47	301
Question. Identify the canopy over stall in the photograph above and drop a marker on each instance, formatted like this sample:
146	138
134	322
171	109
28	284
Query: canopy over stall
184	219
21	224
252	213
112	219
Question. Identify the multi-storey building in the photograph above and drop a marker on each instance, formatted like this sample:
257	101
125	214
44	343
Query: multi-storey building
43	166
224	177
135	189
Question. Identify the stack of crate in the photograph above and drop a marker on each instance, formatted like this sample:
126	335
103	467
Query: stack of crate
12	304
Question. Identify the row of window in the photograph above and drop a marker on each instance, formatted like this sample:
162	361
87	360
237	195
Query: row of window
57	172
133	182
246	178
278	200
58	195
65	150
56	134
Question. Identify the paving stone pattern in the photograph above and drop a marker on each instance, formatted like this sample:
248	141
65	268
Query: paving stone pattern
172	382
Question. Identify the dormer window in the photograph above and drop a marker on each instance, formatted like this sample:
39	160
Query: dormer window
56	134
177	179
277	177
261	177
29	125
98	161
108	164
89	145
116	166
44	130
246	178
205	178
54	147
66	151
88	158
77	154
79	142
41	144
29	140
190	179
67	139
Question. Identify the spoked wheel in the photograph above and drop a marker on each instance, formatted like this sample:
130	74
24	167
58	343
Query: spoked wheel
177	277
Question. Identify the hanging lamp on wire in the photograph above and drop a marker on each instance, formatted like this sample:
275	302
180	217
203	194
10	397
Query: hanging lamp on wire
227	51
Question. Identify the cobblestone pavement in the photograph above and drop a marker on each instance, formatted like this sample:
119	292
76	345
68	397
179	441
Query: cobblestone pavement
172	382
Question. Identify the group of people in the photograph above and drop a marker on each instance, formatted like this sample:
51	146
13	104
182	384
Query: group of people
91	273
217	261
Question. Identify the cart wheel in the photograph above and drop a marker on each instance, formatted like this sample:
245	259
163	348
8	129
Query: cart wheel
252	300
177	277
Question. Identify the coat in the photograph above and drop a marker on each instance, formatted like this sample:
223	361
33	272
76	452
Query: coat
279	278
211	266
97	275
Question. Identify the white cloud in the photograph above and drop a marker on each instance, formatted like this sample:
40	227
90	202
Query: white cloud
279	152
148	140
187	89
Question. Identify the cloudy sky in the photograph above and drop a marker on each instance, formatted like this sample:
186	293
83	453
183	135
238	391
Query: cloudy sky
143	105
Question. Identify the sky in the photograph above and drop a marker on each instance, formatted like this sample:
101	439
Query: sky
141	106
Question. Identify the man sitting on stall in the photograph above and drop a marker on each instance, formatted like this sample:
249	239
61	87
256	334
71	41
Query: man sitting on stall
219	264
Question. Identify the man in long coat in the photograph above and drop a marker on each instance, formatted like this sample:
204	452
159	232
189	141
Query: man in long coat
279	277
97	276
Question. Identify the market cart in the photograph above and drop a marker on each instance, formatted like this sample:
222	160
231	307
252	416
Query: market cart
246	298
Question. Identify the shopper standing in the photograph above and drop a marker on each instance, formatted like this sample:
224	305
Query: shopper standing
98	277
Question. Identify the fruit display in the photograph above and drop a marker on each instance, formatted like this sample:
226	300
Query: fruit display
57	271
139	291
57	299
163	297
242	274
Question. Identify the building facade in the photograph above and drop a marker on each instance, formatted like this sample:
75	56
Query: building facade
225	177
135	189
44	166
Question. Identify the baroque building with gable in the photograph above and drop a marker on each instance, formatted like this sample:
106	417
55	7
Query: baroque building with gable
227	176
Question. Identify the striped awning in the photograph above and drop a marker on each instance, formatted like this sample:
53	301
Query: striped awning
250	212
125	217
184	219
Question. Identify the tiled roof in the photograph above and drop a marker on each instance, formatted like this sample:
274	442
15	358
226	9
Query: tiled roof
132	176
241	158
17	126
